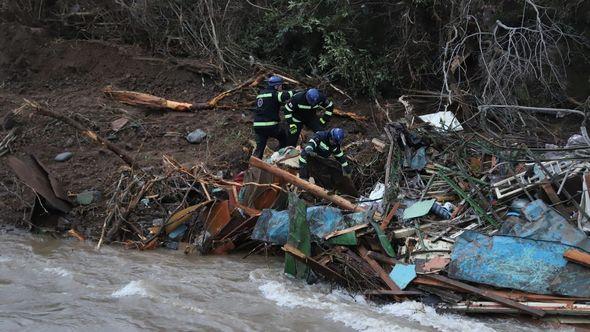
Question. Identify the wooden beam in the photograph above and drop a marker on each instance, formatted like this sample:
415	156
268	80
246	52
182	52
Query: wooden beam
305	185
314	264
487	295
391	292
346	230
379	270
390	215
382	258
578	257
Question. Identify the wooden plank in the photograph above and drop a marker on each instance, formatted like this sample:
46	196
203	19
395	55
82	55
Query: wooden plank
488	295
306	185
382	258
379	270
578	257
389	217
313	264
552	195
346	230
513	295
391	292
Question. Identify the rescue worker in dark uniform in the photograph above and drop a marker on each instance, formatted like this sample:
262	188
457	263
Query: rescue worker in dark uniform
266	115
324	144
301	110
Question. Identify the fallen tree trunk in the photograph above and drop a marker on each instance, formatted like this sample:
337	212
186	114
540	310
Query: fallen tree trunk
85	131
144	99
305	185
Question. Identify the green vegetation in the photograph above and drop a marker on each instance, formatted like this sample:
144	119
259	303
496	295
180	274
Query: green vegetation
369	47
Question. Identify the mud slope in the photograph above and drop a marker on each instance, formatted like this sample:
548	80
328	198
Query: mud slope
68	76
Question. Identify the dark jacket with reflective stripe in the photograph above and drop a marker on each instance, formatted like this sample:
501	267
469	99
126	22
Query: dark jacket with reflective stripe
298	109
320	142
268	105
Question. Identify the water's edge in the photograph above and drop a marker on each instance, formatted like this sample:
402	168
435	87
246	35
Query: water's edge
61	285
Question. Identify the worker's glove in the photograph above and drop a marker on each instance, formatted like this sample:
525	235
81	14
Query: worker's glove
310	152
311	180
293	128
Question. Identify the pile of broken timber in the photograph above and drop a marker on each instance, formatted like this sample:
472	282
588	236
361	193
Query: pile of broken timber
367	265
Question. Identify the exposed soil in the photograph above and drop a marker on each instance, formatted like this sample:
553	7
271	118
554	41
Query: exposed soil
68	76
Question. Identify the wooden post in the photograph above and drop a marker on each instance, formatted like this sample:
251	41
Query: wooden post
578	256
307	186
487	295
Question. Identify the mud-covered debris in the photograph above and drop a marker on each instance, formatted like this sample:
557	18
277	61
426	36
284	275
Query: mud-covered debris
196	136
88	197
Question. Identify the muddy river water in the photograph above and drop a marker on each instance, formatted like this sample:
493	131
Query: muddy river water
56	285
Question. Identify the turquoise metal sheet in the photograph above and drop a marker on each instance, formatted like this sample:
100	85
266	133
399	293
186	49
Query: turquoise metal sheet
524	264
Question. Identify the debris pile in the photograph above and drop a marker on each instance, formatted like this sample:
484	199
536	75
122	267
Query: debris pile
485	210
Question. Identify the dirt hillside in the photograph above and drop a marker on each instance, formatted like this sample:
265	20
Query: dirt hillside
68	76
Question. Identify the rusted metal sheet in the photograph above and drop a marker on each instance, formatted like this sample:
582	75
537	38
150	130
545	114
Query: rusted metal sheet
35	176
219	217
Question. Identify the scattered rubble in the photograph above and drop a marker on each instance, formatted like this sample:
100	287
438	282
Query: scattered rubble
485	213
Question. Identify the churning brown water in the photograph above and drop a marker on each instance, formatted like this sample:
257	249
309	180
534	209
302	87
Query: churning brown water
57	285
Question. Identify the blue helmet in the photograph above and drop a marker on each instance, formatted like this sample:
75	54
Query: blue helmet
313	96
275	80
337	135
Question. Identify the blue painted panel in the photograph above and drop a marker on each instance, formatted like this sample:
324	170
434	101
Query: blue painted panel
523	264
273	226
403	274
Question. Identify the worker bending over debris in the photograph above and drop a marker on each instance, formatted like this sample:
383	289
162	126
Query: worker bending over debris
301	110
324	144
266	115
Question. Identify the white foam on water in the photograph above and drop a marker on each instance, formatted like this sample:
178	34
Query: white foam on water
135	287
60	271
427	316
5	259
359	314
337	306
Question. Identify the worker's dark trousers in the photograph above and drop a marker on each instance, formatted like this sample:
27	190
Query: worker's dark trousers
312	122
262	135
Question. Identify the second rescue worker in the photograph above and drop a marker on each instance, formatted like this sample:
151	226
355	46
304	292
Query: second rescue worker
266	115
301	110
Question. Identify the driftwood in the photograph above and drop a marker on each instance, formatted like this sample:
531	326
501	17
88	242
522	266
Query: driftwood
147	100
85	131
305	185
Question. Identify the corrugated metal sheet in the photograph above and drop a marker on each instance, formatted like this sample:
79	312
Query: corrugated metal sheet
523	264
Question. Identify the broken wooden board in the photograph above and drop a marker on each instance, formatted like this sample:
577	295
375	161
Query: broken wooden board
182	216
346	230
378	269
578	257
488	295
314	264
